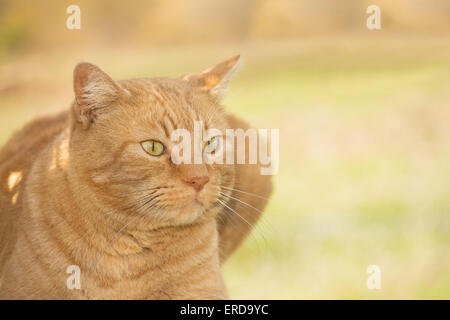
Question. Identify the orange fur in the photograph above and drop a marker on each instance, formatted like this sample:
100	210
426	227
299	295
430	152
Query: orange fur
77	189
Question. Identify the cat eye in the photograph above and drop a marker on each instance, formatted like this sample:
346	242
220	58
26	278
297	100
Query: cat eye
154	148
211	145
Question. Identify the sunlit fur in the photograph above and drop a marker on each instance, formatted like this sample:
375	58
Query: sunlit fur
78	189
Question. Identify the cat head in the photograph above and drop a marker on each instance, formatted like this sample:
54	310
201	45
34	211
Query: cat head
121	147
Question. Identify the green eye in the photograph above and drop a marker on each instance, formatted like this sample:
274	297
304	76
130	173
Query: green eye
211	145
154	148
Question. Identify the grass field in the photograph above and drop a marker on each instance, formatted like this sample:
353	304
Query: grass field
365	154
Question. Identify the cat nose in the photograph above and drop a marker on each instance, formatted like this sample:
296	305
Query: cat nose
198	182
195	175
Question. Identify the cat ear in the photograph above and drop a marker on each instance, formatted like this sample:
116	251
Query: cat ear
94	90
215	80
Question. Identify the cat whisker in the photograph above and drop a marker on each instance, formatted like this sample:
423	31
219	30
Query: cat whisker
133	203
261	221
150	206
129	205
143	202
160	211
145	199
235	212
244	192
223	203
243	202
125	195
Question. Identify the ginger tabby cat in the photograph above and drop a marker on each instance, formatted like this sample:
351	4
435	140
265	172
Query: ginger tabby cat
79	189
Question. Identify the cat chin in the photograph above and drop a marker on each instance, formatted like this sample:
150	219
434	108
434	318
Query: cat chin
192	212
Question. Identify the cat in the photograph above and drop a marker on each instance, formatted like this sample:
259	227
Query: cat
94	188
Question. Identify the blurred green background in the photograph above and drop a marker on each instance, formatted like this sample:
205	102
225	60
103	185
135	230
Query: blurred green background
364	119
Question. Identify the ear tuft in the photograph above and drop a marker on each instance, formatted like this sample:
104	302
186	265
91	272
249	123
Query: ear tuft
215	80
94	90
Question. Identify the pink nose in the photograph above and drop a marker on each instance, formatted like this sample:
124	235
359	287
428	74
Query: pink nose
198	182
